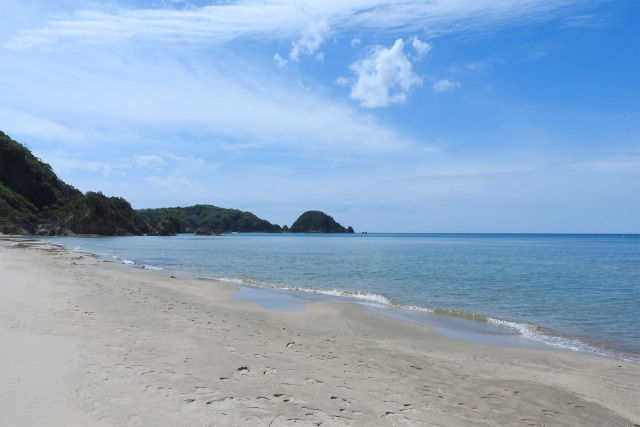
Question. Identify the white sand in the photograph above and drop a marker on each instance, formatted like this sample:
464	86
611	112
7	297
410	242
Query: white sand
84	342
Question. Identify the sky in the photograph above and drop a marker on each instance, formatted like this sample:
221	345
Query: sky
513	116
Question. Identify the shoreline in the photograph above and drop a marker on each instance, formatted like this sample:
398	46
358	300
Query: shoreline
461	326
464	325
134	346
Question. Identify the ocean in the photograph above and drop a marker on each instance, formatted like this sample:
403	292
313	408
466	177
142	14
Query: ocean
571	292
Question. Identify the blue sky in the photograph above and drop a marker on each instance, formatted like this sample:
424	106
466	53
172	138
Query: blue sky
403	116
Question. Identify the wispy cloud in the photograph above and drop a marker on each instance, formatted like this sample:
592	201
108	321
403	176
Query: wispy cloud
66	163
228	104
445	85
278	20
153	99
312	37
38	127
150	161
621	163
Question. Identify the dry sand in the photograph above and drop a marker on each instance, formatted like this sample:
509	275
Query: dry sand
85	342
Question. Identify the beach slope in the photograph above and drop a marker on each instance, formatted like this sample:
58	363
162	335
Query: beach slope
87	342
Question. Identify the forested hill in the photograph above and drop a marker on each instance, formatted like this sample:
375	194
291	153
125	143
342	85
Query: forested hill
30	191
317	222
189	219
33	200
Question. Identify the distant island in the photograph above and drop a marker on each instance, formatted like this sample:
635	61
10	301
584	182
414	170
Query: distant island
34	201
317	222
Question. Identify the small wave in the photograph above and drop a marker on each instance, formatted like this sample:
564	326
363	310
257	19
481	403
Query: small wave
359	295
367	297
526	330
233	280
548	337
137	264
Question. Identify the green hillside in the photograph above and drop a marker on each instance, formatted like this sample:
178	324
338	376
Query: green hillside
209	217
317	222
30	191
33	200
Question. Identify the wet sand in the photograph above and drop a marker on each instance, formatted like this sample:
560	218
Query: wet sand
85	342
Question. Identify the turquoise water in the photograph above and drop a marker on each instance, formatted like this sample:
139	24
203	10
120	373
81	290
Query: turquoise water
572	291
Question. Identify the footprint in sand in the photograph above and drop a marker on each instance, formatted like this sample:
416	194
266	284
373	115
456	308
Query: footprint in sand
224	403
189	405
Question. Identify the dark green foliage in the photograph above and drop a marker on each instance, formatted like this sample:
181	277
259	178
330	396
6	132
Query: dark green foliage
317	222
95	213
187	220
176	223
33	199
30	191
14	208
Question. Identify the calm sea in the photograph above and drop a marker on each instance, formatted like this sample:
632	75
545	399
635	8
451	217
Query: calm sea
578	292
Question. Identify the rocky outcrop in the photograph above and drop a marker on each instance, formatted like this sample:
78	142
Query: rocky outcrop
203	231
163	228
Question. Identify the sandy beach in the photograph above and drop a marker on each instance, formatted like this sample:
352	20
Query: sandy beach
85	342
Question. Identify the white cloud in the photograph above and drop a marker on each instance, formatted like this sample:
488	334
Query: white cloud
106	81
627	162
156	101
187	164
421	47
31	126
280	61
383	78
150	161
312	38
64	162
343	81
476	66
445	85
276	20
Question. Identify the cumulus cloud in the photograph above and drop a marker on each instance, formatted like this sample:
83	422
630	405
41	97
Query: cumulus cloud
385	77
421	47
445	85
312	38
